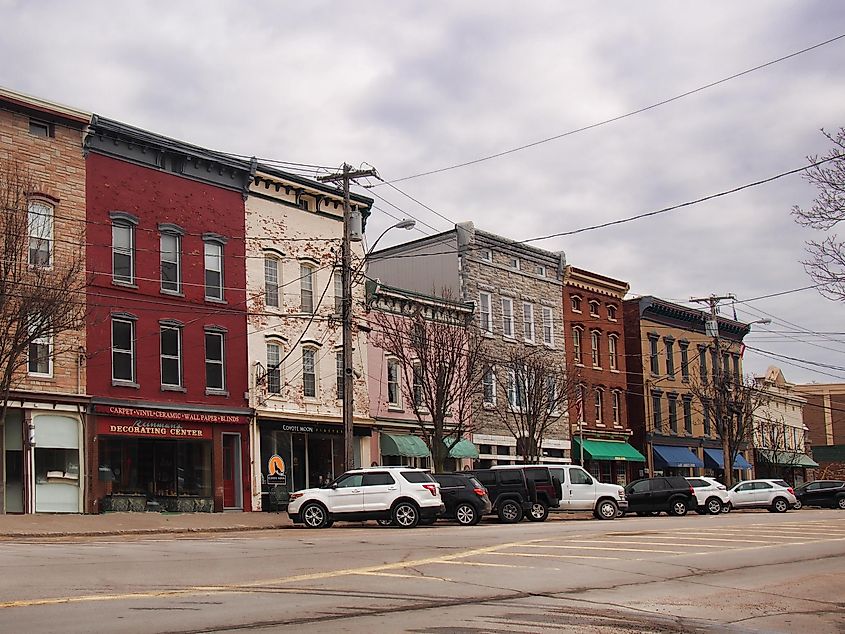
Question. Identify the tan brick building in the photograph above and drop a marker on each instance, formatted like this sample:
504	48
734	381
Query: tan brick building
517	290
824	416
43	451
668	351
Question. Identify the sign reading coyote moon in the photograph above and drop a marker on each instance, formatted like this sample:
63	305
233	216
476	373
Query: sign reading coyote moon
276	470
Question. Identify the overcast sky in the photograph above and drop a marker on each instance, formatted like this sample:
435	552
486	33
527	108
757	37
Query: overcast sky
410	87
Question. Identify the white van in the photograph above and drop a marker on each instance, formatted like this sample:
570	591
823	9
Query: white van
582	492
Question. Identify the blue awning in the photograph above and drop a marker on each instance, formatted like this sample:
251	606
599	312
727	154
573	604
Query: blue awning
715	459
666	456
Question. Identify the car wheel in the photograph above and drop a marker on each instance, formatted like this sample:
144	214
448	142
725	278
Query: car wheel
678	508
384	522
780	505
798	504
510	512
466	515
314	515
840	502
538	512
405	515
714	506
607	510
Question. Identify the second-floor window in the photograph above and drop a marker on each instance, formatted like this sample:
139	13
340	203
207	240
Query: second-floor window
271	282
274	370
594	346
652	354
213	270
394	394
576	344
673	413
687	414
418	385
528	321
617	406
171	355
507	317
548	326
612	352
684	360
340	374
516	390
702	363
306	288
123	252
484	312
488	385
171	274
123	350
656	411
40	351
215	377
599	398
40	220
580	395
309	372
670	356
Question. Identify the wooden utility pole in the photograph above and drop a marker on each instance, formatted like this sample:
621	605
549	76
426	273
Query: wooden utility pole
711	328
350	234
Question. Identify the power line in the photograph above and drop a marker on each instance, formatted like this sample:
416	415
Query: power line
618	117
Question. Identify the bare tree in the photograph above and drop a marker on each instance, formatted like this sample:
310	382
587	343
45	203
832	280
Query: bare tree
537	390
784	448
441	357
733	402
42	286
826	262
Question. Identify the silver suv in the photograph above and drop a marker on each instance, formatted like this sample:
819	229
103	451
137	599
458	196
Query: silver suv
775	495
401	495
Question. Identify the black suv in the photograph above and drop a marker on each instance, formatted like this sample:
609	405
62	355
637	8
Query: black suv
829	493
464	496
670	494
520	491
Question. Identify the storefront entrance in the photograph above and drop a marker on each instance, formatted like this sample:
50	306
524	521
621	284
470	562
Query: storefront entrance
232	472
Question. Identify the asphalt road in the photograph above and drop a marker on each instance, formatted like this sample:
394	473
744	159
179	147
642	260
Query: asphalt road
741	572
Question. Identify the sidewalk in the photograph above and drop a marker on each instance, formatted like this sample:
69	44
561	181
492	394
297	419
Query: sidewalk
23	526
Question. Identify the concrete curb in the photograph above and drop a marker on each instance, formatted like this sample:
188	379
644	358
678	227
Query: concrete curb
141	531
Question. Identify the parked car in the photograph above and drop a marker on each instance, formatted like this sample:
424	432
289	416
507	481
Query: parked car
670	494
711	496
775	495
399	494
830	493
582	492
465	498
518	491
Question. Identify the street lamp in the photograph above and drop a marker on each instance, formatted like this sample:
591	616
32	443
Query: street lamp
347	274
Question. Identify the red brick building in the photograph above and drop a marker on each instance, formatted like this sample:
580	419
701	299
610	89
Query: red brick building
595	351
166	334
824	416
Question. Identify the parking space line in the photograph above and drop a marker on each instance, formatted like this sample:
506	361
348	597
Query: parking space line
479	563
400	576
550	556
613	548
651	543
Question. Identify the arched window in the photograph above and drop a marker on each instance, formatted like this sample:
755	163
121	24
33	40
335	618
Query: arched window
599	399
306	286
612	351
274	367
309	372
40	219
594	308
595	335
575	302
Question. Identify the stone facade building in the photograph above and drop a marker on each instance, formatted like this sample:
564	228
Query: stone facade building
668	352
595	352
824	416
294	230
780	448
517	290
42	453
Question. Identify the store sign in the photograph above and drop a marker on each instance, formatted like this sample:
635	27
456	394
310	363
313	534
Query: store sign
299	428
276	470
153	429
171	415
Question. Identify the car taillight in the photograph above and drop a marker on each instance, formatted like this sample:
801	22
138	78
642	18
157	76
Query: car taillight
692	491
790	490
432	488
480	492
294	496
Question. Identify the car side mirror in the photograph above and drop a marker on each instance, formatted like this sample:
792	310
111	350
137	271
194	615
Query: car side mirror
334	485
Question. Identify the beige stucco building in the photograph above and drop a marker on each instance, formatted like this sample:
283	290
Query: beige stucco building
294	230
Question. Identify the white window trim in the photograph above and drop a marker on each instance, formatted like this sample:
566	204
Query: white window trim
338	292
597	305
575	299
578	350
613	352
315	370
595	348
205	268
303	277
492	402
616	407
396	404
528	324
123	224
49	238
276	294
505	320
178	262
487	255
598	403
181	380
44	340
277	345
550	323
222	338
131	350
488	326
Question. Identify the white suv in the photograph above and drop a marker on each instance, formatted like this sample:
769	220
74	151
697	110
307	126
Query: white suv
711	496
775	495
400	494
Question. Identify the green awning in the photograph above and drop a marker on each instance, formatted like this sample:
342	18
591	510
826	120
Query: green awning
607	450
403	445
787	458
462	449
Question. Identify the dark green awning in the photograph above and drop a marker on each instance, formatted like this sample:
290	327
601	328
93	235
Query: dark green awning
608	450
403	445
787	458
462	449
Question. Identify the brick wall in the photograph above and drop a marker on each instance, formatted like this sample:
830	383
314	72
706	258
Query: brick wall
57	168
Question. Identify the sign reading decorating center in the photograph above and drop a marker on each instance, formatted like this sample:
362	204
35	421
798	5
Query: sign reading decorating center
276	470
